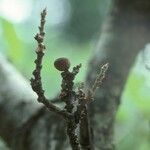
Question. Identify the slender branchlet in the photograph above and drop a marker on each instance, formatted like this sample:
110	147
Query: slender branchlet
67	85
82	118
97	83
81	113
100	77
69	97
36	82
75	111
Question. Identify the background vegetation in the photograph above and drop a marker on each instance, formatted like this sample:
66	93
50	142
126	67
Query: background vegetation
73	28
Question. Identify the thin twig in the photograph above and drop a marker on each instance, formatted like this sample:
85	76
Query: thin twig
82	118
36	82
86	138
72	114
69	97
99	78
97	83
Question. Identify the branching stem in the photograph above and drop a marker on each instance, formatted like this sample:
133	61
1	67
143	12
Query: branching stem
36	82
74	114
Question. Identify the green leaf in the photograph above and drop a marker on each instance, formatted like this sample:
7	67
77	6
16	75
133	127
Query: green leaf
13	43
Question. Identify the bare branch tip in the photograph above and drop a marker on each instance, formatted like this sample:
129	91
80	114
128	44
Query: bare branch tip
105	66
44	12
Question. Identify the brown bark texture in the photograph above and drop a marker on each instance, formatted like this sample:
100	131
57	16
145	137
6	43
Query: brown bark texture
27	125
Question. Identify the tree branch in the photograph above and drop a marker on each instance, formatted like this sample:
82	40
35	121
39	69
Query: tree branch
69	97
36	82
82	116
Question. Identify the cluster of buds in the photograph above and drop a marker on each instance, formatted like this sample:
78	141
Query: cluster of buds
63	64
82	97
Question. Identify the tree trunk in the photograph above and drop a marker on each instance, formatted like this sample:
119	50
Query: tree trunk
26	125
124	34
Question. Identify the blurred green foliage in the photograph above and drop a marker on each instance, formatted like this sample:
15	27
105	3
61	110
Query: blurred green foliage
17	43
14	44
86	18
133	118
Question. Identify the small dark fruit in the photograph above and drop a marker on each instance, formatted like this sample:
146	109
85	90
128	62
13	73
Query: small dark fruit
62	64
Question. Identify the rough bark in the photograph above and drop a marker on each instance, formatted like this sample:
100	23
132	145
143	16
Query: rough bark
124	33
